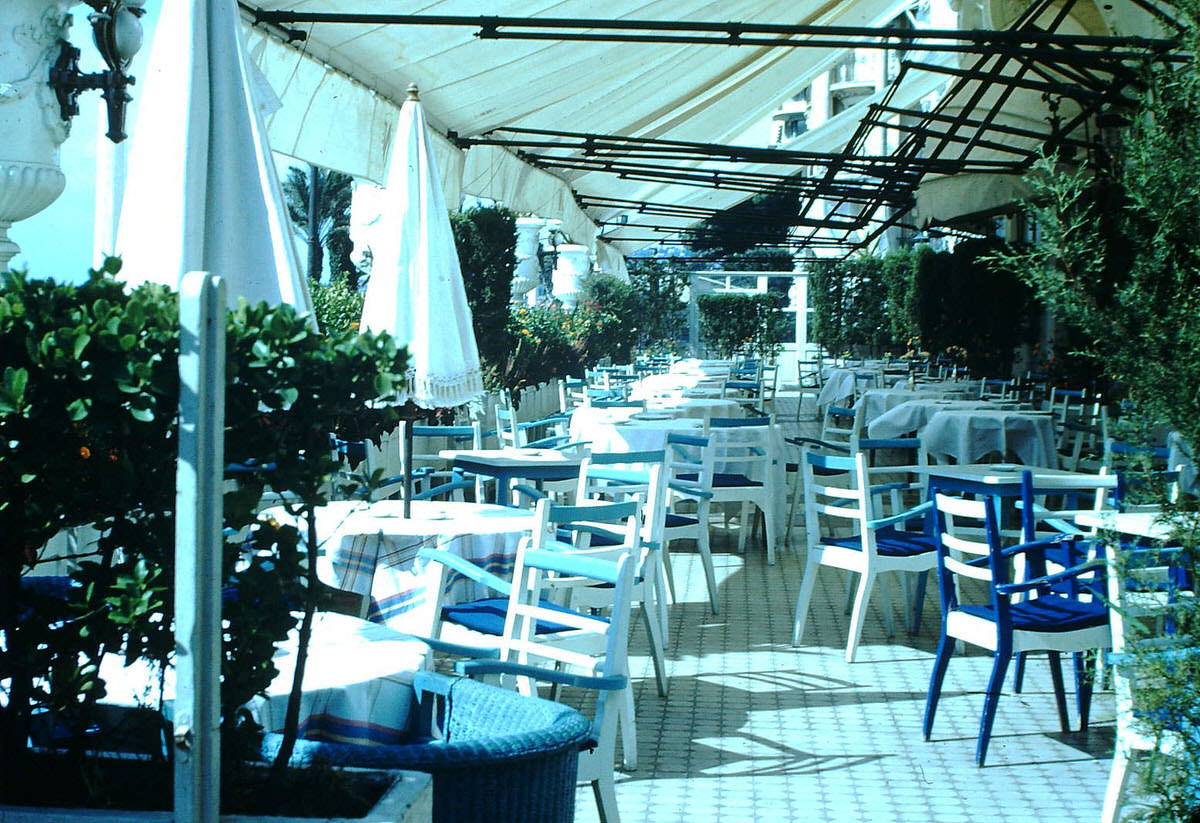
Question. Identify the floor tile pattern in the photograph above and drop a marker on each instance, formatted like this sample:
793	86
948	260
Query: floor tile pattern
756	730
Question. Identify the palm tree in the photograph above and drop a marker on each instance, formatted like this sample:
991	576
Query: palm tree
318	203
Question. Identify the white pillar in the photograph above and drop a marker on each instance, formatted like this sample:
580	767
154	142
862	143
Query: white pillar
31	128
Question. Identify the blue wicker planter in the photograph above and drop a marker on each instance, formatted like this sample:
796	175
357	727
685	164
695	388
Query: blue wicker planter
501	758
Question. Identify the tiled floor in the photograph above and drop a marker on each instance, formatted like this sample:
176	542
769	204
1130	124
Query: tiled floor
756	730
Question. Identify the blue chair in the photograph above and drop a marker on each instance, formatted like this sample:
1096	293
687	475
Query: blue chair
1053	612
840	489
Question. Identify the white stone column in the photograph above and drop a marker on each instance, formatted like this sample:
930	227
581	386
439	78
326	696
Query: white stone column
31	128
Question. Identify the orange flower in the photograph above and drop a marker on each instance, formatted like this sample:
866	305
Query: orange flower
85	452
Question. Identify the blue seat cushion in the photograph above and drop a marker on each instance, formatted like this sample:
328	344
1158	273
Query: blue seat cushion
889	543
675	521
1049	613
722	480
597	539
487	616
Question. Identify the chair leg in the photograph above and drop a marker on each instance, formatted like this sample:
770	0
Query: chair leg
743	526
668	570
1019	673
992	699
944	651
805	596
919	601
710	573
885	606
768	511
654	634
628	726
1060	692
858	616
606	800
1118	777
1083	688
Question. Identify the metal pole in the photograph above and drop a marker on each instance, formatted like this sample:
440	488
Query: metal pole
198	548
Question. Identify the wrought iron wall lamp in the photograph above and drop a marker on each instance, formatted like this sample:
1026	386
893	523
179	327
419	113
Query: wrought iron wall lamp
117	32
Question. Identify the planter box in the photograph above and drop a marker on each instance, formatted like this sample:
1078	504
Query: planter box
408	800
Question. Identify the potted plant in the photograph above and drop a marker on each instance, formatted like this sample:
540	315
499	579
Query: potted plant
88	393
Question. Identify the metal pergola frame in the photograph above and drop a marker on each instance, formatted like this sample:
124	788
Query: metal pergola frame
849	187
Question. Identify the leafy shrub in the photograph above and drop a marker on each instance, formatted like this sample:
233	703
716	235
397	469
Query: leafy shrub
338	307
662	316
88	401
486	242
739	323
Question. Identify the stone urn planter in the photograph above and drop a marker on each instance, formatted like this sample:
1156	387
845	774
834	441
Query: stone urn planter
31	127
572	266
527	271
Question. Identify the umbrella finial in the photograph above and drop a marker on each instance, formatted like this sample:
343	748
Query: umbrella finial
412	92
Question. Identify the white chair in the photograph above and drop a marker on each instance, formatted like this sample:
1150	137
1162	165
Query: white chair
743	460
634	476
525	656
839	489
1155	575
688	472
433	472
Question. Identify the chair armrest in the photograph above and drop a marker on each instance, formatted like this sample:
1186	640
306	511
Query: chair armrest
812	441
609	683
1049	579
900	517
467	569
689	491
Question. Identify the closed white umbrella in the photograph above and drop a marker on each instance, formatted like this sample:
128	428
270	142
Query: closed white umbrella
416	288
202	191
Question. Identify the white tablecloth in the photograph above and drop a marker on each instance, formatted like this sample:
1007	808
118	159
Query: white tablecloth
673	384
967	435
912	415
878	401
372	549
357	682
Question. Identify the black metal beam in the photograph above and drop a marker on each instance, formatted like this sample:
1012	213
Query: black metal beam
730	33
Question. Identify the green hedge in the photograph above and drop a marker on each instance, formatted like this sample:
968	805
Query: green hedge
743	323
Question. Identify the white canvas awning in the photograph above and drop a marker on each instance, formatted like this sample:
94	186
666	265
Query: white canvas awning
340	89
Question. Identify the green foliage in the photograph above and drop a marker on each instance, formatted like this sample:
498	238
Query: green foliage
760	259
486	242
964	301
743	323
849	300
88	437
662	316
552	341
616	299
762	219
330	231
899	271
1119	261
338	307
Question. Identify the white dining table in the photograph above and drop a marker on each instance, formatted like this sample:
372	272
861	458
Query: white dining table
967	435
371	549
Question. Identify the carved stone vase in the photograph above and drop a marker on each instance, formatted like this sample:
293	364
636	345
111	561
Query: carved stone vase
31	128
